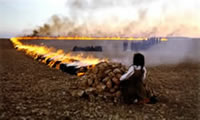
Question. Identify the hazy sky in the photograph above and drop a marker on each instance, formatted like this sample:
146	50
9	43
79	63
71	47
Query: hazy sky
18	17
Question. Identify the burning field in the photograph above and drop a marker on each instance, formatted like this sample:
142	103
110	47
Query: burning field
97	76
31	90
70	57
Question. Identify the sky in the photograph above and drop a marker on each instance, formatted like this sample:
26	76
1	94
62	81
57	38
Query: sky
113	17
19	16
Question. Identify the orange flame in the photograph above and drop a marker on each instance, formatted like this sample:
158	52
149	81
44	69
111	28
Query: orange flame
81	38
56	55
59	55
80	74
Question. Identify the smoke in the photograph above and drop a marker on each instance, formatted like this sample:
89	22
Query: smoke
125	18
174	51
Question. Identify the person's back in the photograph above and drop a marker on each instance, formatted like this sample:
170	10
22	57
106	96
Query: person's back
132	82
133	87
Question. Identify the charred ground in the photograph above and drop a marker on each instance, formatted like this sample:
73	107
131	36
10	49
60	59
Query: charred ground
30	90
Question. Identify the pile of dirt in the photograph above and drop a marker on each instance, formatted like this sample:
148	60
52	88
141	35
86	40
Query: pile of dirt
101	80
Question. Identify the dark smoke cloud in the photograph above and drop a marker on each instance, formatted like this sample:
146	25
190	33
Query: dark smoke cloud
121	18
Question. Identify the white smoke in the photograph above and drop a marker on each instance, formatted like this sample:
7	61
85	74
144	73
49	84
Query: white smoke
126	18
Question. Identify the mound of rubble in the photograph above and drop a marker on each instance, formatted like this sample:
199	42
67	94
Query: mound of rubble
101	80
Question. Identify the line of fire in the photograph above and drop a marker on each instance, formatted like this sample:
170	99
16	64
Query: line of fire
66	62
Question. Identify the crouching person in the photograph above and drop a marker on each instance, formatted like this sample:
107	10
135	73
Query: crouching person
132	83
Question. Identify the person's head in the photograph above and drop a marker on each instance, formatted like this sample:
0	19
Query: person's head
138	59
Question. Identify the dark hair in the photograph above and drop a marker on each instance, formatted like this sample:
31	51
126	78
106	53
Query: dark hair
138	59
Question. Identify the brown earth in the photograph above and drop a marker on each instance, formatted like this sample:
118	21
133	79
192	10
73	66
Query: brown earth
31	90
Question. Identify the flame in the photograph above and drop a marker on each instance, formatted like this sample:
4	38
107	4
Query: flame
49	53
80	38
56	55
163	39
80	74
